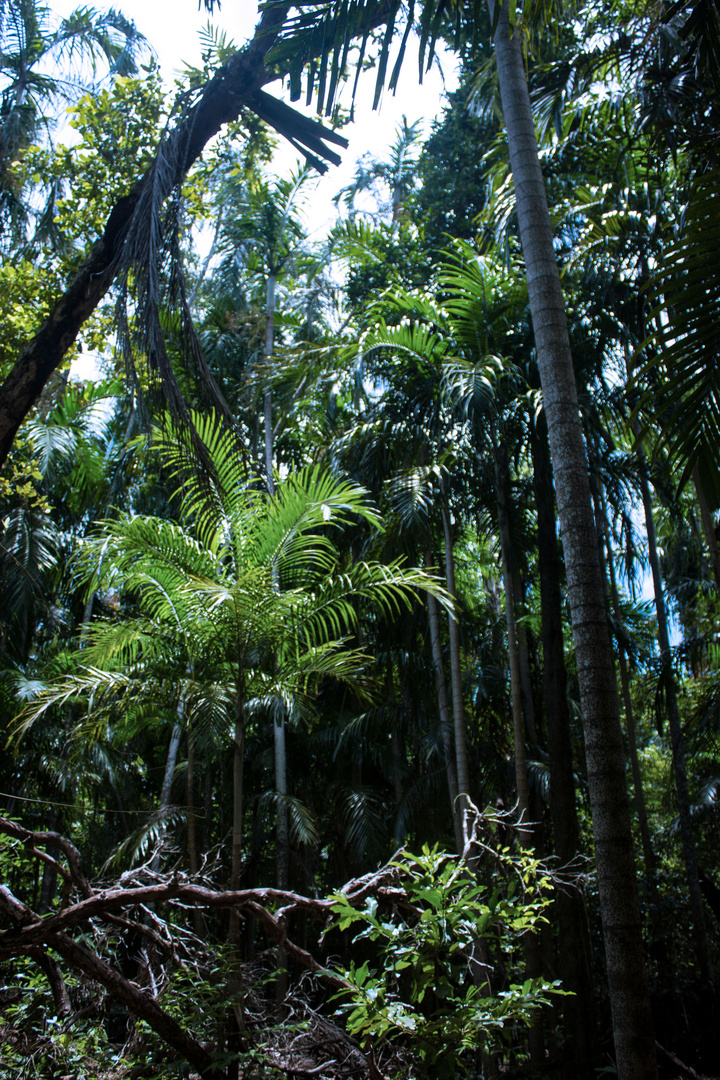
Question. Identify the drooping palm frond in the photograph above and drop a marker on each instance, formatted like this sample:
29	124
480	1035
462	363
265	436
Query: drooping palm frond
364	821
705	809
681	375
303	826
151	836
96	686
413	495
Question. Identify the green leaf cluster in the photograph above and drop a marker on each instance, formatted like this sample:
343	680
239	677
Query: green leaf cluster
431	981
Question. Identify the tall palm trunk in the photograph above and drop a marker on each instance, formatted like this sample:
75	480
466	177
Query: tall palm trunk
578	1008
281	788
267	399
619	904
461	758
238	777
640	806
702	954
444	712
521	780
170	764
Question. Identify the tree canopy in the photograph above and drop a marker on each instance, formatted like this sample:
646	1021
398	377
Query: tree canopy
359	671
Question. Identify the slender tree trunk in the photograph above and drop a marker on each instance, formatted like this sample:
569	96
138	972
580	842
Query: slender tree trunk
192	842
524	656
461	759
444	713
238	774
640	807
282	790
521	780
171	760
269	345
702	954
578	1009
708	526
617	884
282	839
170	765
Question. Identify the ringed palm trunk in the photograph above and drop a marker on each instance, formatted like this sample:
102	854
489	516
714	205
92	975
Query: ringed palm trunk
617	883
574	966
461	758
702	954
238	777
521	780
444	712
269	345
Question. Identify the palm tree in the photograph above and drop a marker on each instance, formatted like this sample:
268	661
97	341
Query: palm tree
250	592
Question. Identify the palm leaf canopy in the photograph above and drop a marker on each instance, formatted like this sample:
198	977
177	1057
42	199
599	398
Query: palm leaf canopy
245	586
681	373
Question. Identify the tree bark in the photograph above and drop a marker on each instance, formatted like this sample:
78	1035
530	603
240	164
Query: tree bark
521	780
238	778
640	807
444	713
578	1009
461	758
702	953
267	397
617	884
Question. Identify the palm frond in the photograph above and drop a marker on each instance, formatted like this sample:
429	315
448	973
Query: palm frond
681	375
303	827
149	837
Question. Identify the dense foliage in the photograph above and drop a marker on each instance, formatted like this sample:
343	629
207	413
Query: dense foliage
284	597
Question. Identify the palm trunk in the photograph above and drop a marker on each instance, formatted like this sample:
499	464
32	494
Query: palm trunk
170	764
640	807
521	780
617	884
524	657
192	843
444	713
282	813
702	955
578	1009
461	758
238	775
269	345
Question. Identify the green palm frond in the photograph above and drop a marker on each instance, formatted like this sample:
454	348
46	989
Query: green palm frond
99	688
145	839
422	342
681	377
303	826
473	385
413	494
364	821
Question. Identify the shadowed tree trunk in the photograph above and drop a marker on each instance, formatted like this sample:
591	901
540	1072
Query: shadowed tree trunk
702	954
574	952
461	759
617	884
501	486
640	807
444	712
